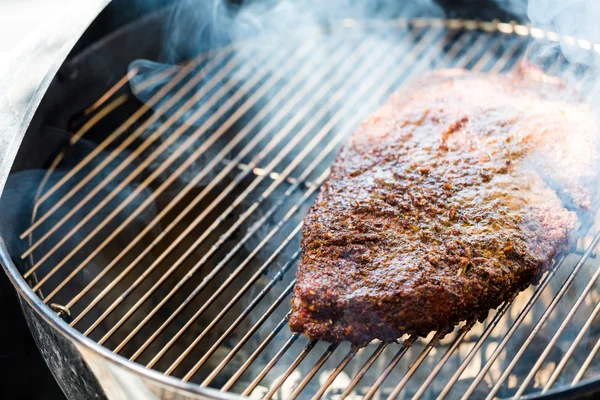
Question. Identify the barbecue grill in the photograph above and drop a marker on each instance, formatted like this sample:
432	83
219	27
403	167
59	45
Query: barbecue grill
153	238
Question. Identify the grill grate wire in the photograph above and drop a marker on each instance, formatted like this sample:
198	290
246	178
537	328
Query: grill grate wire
291	109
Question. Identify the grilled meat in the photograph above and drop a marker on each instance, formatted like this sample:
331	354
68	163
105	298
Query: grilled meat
450	199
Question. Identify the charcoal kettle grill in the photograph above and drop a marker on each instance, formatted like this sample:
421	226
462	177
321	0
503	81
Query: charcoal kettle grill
153	191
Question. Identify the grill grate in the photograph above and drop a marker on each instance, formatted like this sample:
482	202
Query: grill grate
173	240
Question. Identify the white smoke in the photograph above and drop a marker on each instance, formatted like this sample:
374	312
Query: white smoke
575	25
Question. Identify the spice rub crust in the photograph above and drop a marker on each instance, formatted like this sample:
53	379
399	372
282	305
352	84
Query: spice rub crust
455	195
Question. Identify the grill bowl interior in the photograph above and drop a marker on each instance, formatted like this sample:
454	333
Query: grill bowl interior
167	227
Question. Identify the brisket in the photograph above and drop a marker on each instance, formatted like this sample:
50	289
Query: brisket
452	197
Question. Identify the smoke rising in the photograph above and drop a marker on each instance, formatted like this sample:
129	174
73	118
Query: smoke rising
578	18
576	23
195	26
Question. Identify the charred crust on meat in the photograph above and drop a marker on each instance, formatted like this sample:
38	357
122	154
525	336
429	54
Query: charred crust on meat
445	203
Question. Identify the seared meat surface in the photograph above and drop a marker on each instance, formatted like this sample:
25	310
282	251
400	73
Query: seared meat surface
452	197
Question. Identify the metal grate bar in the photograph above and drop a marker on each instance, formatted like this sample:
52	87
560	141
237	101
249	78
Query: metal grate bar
515	50
473	351
517	323
276	160
247	310
490	54
325	386
416	364
457	340
251	280
330	350
171	226
586	364
214	347
111	92
526	309
471	54
392	364
78	225
217	56
236	298
221	93
271	363
223	286
137	133
275	387
557	334
236	181
563	362
272	175
366	366
274	102
239	245
292	211
222	312
95	119
59	158
258	351
248	334
545	317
